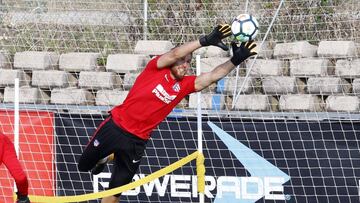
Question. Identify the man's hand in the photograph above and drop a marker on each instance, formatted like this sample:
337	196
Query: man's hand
214	38
242	52
22	198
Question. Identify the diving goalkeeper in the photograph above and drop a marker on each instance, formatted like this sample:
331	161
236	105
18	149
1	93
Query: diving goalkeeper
8	157
157	90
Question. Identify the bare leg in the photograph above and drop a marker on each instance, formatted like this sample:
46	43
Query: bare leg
111	199
99	167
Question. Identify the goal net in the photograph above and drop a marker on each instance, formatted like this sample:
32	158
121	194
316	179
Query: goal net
281	127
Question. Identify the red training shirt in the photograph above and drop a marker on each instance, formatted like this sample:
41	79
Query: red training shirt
152	97
8	157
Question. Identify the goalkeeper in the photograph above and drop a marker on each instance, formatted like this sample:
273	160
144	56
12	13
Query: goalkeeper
157	90
8	157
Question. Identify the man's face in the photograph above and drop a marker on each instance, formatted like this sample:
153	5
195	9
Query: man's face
181	67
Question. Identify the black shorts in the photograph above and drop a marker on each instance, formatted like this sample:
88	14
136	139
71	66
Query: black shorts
108	139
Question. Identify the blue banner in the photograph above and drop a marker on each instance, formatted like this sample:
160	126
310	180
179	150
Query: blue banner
246	160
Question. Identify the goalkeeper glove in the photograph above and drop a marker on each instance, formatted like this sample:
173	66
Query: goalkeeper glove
22	198
214	38
242	52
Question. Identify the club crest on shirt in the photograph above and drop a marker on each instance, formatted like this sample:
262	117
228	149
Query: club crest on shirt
176	87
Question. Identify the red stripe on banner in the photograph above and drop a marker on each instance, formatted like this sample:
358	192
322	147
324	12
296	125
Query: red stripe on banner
37	152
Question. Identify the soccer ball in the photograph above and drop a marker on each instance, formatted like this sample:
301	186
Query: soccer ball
244	27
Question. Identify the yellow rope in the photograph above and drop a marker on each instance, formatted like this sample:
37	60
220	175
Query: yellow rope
200	169
130	186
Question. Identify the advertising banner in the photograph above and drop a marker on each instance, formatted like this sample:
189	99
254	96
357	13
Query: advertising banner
246	160
36	138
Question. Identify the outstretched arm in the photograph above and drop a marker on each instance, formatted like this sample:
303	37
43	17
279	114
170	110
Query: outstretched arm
177	53
206	79
240	54
214	38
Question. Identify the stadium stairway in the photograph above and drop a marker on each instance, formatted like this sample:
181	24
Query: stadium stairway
295	76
